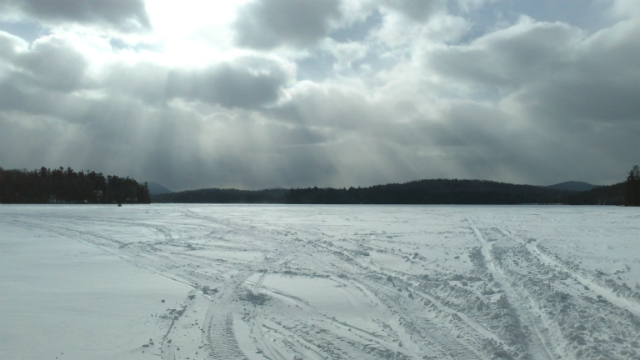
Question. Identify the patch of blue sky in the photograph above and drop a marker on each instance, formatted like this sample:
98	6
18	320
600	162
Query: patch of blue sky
27	30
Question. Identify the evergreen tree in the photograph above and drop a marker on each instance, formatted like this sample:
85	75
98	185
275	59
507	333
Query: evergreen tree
632	188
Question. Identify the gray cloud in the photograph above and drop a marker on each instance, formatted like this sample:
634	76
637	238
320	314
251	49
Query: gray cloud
123	15
266	24
555	71
10	46
36	79
511	57
54	63
417	10
246	82
570	101
228	85
602	84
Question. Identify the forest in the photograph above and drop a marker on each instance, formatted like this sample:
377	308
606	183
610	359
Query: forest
438	191
69	187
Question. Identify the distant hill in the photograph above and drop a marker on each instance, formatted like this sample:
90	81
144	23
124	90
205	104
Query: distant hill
157	189
438	191
223	196
573	186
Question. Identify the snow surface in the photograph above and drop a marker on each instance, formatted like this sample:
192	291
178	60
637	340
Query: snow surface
319	282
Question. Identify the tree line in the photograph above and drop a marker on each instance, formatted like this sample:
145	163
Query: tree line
632	188
626	193
437	191
70	187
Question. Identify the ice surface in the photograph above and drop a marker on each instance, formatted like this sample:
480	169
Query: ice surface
319	282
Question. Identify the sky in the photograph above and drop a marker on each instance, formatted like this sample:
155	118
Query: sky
255	94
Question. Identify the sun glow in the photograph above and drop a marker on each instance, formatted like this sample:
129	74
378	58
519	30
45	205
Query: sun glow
193	31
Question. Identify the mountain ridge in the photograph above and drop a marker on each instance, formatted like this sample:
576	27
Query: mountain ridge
427	191
573	186
157	189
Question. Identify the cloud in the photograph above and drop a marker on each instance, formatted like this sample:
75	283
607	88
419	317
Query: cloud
53	63
510	57
416	10
400	35
122	15
346	53
229	85
555	71
245	82
36	80
10	45
626	9
266	24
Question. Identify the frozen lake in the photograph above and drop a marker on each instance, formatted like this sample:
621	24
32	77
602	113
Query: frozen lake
319	282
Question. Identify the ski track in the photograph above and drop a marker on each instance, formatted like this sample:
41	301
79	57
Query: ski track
514	299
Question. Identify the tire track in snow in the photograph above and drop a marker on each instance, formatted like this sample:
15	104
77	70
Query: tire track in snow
221	338
274	341
465	319
440	333
452	348
255	320
622	302
539	346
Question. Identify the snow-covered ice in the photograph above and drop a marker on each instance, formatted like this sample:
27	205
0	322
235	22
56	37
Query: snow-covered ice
319	282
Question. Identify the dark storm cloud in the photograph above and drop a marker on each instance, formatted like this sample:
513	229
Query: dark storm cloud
123	15
265	24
